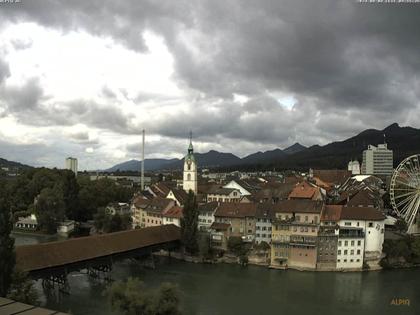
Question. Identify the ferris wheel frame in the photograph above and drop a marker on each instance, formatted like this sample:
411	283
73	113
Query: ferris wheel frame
404	189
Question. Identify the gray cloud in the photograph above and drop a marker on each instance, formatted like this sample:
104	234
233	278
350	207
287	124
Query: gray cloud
349	66
4	71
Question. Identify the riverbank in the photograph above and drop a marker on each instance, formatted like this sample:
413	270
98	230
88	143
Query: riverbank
231	259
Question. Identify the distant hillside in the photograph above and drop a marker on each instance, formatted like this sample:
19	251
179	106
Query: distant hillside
404	141
295	148
149	165
12	165
262	157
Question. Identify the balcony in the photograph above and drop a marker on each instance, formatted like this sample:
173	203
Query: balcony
351	233
303	240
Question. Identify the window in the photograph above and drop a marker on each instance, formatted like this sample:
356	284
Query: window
346	243
347	223
338	260
352	252
258	227
351	260
188	176
345	252
352	243
370	224
339	252
359	243
358	260
297	218
358	252
345	260
339	243
306	218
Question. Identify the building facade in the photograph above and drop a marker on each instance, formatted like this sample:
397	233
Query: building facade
71	164
378	160
224	195
294	233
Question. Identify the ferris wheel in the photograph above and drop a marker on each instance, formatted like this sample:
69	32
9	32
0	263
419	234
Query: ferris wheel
405	189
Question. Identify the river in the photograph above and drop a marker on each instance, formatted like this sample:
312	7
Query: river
232	289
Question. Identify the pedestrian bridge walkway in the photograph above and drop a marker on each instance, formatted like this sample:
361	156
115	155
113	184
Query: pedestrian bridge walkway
77	253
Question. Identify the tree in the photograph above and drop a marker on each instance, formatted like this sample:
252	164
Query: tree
415	247
49	209
22	289
132	297
7	253
204	246
189	224
236	245
401	225
108	223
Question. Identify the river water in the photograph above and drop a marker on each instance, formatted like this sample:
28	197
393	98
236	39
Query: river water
232	289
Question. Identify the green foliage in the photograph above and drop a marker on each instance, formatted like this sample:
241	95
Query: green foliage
22	289
205	249
239	248
132	298
81	197
236	245
415	247
108	223
189	225
263	246
7	253
403	251
50	209
401	225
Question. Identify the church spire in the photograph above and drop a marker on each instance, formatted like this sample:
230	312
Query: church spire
190	147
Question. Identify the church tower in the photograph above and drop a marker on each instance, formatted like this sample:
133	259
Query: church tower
190	170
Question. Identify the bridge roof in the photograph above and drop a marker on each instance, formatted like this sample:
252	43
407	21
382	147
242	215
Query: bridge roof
54	254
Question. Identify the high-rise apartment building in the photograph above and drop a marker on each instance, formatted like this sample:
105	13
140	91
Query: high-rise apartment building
71	164
377	160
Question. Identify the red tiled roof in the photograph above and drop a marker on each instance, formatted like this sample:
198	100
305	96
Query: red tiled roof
303	190
334	177
299	206
53	254
236	210
331	213
180	195
174	212
361	213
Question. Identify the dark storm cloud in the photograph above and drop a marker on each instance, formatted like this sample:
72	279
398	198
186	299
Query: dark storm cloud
350	66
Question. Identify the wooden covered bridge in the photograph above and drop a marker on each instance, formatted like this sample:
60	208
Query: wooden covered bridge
53	261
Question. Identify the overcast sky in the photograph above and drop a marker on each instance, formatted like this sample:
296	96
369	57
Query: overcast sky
82	78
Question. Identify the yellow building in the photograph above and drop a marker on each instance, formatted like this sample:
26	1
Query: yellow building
294	233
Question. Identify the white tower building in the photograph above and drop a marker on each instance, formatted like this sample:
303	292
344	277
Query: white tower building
71	164
354	167
377	160
190	170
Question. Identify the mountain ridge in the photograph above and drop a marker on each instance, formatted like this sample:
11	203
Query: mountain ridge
404	141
